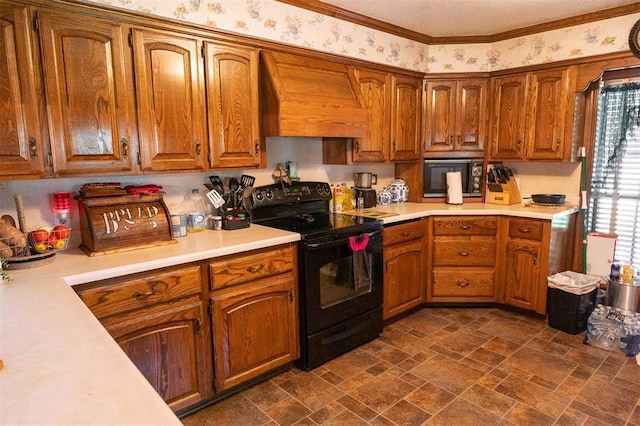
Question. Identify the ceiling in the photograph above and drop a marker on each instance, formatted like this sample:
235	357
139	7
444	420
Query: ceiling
451	18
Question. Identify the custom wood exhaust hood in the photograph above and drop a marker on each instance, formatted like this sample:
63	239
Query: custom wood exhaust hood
309	97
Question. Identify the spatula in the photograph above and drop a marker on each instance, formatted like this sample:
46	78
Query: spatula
215	198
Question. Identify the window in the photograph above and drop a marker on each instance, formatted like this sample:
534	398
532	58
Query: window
615	183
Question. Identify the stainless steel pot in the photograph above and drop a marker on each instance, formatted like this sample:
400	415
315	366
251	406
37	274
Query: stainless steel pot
623	296
364	180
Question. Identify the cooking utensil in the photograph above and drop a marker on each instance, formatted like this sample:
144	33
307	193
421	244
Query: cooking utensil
215	198
550	199
246	181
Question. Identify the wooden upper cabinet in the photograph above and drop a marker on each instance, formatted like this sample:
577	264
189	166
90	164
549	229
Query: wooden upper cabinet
171	105
550	114
455	115
233	106
376	91
508	118
405	118
21	133
87	65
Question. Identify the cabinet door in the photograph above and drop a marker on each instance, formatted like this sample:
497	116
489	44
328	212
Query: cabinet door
171	109
87	70
522	275
508	118
255	329
404	284
405	119
549	104
440	116
21	122
232	104
168	346
471	115
376	92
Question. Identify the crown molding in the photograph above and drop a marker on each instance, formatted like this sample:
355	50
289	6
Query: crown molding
357	18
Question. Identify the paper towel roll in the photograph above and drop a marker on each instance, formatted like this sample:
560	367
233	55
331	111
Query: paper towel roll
454	188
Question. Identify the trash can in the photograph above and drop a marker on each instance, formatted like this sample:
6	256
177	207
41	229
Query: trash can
571	298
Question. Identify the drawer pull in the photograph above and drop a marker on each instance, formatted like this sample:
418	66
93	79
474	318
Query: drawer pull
465	227
524	230
137	295
255	269
464	253
463	284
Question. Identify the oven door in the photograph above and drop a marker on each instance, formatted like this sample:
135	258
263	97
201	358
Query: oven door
338	283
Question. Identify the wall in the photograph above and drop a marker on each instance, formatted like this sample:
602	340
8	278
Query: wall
269	19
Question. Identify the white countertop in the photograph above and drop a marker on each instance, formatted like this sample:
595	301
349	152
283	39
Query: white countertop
60	364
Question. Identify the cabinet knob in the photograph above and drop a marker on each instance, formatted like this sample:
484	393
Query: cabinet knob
138	296
125	147
255	269
33	147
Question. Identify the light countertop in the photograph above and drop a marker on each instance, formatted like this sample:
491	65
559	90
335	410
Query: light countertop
60	364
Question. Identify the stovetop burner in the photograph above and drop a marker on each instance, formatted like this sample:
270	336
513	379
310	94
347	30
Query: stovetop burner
303	207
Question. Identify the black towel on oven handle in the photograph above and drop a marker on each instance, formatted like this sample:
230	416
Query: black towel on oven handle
361	269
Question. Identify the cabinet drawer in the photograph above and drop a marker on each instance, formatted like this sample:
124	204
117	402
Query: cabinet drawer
119	295
404	232
526	228
236	269
468	282
465	225
464	253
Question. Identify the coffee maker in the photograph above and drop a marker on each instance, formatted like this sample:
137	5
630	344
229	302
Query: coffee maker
363	192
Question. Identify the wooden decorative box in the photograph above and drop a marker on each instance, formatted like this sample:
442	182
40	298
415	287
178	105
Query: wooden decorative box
510	194
122	223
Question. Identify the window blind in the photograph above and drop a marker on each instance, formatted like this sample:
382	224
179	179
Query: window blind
615	185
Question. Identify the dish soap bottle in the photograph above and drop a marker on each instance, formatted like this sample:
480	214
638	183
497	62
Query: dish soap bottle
196	209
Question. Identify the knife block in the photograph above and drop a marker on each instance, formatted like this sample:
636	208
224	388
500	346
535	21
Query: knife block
510	194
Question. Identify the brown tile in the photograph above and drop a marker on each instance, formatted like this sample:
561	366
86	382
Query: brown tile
534	362
406	414
286	412
265	394
605	396
522	414
447	373
430	398
382	392
227	412
461	412
327	412
311	390
357	407
488	399
533	395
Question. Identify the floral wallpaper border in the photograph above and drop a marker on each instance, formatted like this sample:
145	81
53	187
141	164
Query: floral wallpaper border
275	21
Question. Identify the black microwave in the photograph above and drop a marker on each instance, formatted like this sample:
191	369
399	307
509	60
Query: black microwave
434	183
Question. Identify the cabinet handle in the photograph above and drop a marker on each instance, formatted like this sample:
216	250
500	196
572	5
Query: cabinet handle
357	146
137	295
33	147
465	227
524	230
254	269
198	148
125	147
464	253
463	284
257	148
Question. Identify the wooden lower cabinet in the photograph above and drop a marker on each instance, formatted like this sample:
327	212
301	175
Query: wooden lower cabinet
535	249
462	259
158	319
255	322
404	282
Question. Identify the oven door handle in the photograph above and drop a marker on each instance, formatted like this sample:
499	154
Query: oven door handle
337	242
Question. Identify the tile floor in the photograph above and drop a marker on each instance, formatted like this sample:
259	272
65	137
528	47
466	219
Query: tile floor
444	366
